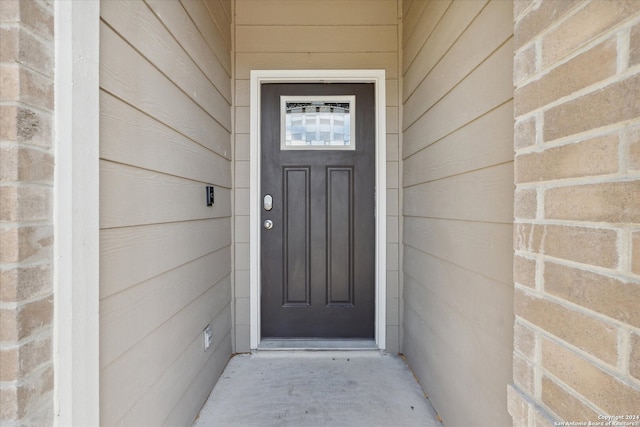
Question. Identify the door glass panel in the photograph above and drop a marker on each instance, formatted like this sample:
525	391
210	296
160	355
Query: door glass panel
317	123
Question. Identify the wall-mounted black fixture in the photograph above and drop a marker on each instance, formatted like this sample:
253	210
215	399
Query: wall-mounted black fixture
209	195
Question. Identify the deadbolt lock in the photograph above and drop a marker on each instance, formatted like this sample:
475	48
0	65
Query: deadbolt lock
268	202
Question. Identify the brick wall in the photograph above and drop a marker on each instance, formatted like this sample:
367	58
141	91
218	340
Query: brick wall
577	211
26	231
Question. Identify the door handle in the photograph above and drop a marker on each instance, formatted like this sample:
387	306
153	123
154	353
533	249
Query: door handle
268	224
268	202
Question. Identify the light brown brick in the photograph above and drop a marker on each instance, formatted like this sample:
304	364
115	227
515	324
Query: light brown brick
588	68
35	315
21	322
38	17
592	157
586	24
612	202
611	297
540	18
523	376
26	164
27	243
24	125
9	10
564	404
525	203
34	392
8	44
524	271
18	362
611	104
35	89
594	246
19	83
25	203
9	82
518	407
524	65
583	331
634	356
596	385
20	46
634	46
525	133
524	340
21	283
635	252
8	325
9	361
8	396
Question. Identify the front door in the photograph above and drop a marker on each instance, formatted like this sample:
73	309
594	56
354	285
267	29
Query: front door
318	213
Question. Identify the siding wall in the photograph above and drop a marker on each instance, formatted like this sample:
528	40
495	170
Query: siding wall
165	257
457	179
577	240
302	34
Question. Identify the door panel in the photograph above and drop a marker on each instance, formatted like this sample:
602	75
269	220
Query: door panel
318	259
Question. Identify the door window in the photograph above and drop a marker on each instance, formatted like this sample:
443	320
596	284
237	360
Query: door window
317	123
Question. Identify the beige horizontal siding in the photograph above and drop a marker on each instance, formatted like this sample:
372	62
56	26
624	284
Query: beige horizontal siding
165	257
245	62
458	205
309	38
305	12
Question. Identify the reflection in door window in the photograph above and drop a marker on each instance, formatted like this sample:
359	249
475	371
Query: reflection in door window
313	123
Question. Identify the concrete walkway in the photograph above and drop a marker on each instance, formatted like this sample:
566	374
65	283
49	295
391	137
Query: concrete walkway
317	388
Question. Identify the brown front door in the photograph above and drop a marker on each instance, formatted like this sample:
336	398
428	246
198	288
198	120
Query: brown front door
318	213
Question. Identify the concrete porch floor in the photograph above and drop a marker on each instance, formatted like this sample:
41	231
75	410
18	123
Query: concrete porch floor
317	388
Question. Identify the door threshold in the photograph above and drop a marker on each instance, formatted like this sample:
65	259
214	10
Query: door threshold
312	344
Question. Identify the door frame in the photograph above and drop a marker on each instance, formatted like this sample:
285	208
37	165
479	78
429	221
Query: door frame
377	77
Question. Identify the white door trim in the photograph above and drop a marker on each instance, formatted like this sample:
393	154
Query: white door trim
76	326
377	77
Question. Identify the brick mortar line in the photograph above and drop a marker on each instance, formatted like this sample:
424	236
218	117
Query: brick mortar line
544	295
13	266
18	103
26	184
581	181
587	90
574	393
19	25
624	349
618	227
22	65
13	225
552	26
16	305
629	381
24	380
523	13
42	334
612	371
5	143
608	130
623	25
623	276
533	406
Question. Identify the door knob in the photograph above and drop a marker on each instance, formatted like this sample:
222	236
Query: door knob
268	224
